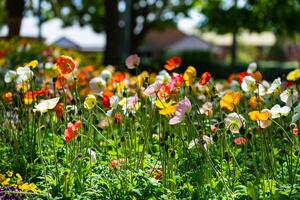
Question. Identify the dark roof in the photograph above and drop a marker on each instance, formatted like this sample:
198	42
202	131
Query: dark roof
157	40
65	42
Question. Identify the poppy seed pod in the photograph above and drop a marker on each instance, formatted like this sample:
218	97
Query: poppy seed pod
293	125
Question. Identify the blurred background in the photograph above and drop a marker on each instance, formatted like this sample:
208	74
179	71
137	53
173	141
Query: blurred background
220	36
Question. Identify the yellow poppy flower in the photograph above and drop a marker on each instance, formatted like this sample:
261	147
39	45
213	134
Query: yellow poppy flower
256	115
90	102
142	77
32	64
262	118
230	100
23	87
189	75
166	108
293	75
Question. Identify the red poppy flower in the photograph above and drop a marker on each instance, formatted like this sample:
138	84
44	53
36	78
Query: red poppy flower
65	64
173	62
241	76
289	84
164	92
204	78
240	140
72	130
106	101
295	131
118	77
106	98
2	54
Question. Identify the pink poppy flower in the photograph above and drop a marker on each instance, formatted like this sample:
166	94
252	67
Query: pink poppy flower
176	82
151	89
132	61
182	107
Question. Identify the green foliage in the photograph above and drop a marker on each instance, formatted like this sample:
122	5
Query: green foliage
2	14
16	51
254	15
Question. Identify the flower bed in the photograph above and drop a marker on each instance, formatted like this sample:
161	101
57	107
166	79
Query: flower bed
79	133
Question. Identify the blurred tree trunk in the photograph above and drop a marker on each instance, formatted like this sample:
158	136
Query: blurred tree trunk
233	50
234	42
113	33
15	10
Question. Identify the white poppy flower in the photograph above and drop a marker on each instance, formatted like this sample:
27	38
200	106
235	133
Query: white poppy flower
106	75
289	96
193	143
10	76
234	122
207	141
97	84
252	67
296	115
163	77
46	105
278	111
248	84
24	74
262	88
275	87
206	109
93	156
114	102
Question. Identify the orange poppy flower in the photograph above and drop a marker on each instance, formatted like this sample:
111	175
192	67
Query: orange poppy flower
108	93
205	78
60	82
252	102
30	96
83	77
257	76
65	64
118	118
7	97
89	68
118	77
59	110
173	62
232	77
